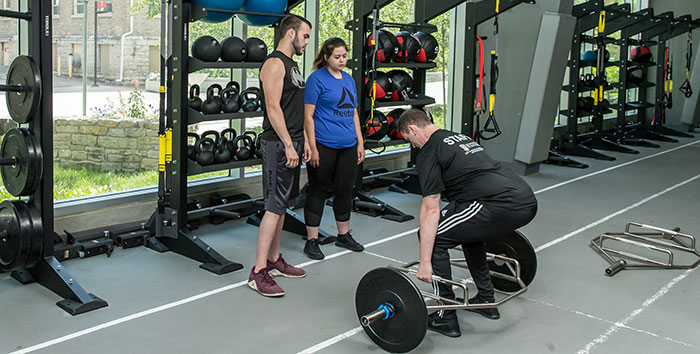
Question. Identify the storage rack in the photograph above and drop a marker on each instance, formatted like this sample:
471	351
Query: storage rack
583	144
47	271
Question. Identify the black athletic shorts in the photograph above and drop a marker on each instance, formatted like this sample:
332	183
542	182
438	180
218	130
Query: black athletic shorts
280	183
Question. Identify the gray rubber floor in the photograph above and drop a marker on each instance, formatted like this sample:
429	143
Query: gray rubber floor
163	303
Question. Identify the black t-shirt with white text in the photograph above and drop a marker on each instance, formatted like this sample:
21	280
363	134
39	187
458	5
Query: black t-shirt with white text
455	166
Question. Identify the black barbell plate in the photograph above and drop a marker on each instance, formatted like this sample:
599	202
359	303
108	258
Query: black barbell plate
15	247
25	225
22	178
405	331
22	106
36	235
513	245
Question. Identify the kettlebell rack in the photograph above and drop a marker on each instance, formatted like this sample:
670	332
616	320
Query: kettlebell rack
608	20
169	222
27	235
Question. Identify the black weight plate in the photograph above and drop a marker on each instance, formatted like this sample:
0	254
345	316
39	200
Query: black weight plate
23	177
22	106
405	331
14	248
25	226
513	245
36	236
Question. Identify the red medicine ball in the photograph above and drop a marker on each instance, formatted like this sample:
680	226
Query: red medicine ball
640	55
393	119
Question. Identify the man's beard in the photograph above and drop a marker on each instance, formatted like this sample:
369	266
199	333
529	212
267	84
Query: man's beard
298	48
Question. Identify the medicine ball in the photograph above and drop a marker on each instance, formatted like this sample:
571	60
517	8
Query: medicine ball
257	50
384	84
585	104
262	6
636	75
604	105
387	46
393	119
429	47
403	85
591	56
233	49
375	127
214	17
640	55
206	48
409	47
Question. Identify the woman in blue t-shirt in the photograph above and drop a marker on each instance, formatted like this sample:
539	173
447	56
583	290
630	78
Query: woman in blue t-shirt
332	128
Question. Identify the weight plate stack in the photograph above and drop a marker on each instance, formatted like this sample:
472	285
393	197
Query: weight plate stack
23	105
23	177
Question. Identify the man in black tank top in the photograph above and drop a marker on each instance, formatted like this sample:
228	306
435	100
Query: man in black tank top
282	143
485	201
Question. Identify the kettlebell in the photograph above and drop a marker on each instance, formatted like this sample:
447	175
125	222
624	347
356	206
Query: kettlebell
217	94
230	97
211	105
241	144
258	148
191	148
195	102
249	99
205	156
206	48
222	154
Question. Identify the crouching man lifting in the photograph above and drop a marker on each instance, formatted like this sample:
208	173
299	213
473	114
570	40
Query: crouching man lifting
485	201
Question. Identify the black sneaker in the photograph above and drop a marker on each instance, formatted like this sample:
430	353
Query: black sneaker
348	242
312	250
445	326
490	313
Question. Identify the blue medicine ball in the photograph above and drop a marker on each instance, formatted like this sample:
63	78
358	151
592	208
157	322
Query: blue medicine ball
266	6
214	17
589	56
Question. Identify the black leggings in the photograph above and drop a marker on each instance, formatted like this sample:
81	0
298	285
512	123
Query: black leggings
337	168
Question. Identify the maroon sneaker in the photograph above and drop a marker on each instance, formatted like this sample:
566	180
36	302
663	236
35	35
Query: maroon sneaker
284	269
263	283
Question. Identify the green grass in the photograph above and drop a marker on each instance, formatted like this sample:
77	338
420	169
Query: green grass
73	183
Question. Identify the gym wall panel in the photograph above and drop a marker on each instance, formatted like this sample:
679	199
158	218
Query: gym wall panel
542	97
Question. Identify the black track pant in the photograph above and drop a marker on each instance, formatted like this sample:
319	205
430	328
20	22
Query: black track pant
469	224
337	168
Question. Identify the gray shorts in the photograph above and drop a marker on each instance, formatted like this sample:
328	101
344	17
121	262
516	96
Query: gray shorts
280	183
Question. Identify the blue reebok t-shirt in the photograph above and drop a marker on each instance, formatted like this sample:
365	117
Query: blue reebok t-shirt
335	101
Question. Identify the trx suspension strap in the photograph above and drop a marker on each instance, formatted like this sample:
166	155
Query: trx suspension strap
373	72
600	65
481	91
685	88
667	97
491	125
164	130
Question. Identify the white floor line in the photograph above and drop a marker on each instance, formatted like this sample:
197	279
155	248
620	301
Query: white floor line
615	167
623	323
576	312
242	283
385	257
621	211
331	341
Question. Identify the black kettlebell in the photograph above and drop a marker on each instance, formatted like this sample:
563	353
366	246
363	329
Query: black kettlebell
205	156
233	49
241	144
195	102
211	105
206	48
217	93
258	148
229	134
191	148
249	99
230	97
222	154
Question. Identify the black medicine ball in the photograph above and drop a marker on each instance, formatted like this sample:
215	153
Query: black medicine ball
206	48
403	85
636	75
409	47
233	49
387	46
393	119
257	50
429	47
